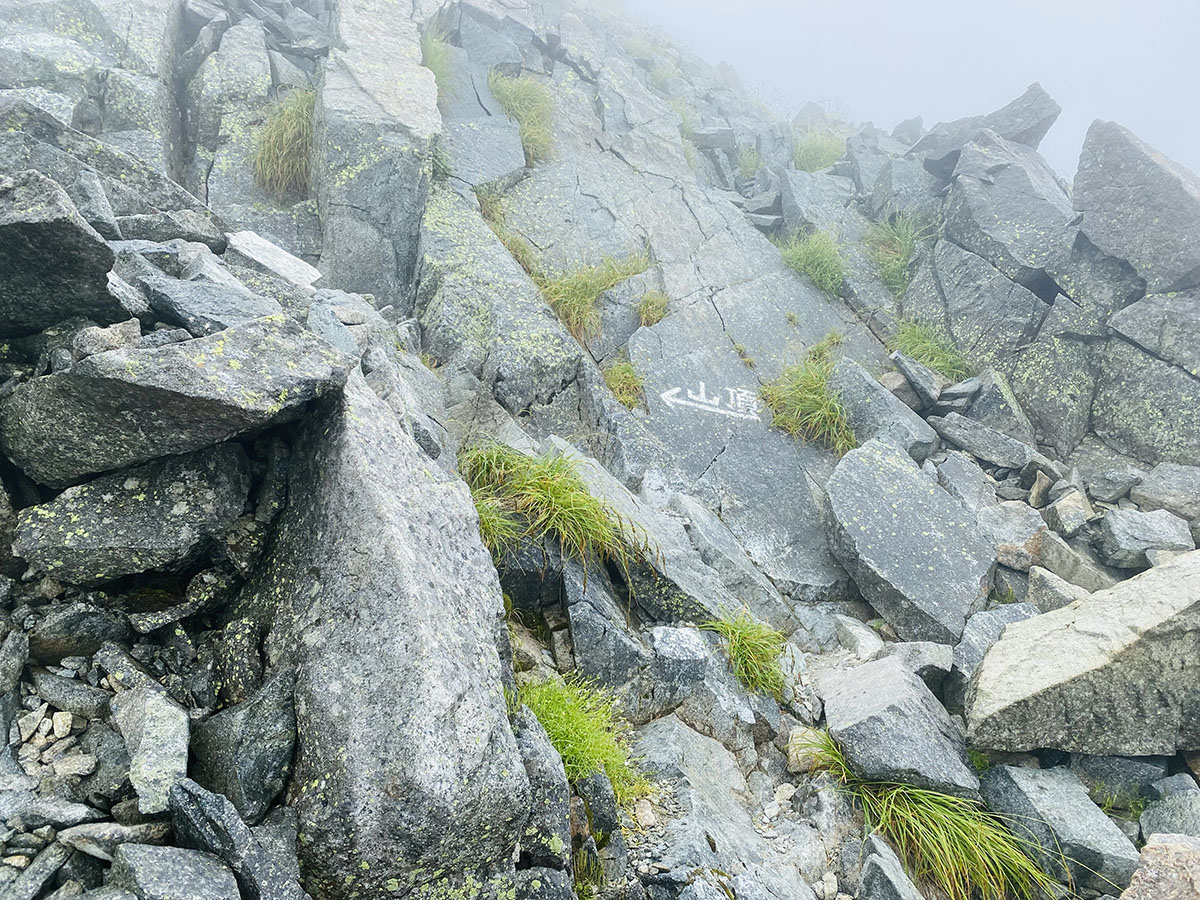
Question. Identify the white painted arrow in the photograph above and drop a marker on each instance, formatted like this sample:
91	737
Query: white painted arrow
672	399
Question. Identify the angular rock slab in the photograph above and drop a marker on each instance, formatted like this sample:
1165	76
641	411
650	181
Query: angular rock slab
170	873
155	729
387	605
916	553
875	412
1168	869
892	728
1113	673
53	264
1140	206
161	515
1065	832
1166	325
1127	535
127	406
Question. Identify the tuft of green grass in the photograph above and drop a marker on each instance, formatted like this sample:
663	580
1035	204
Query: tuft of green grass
499	527
1127	804
691	155
930	348
583	725
587	874
815	150
491	208
653	308
754	649
528	102
950	842
440	164
283	145
891	245
544	496
435	56
573	294
744	355
979	761
816	255
749	161
802	403
625	383
660	78
687	117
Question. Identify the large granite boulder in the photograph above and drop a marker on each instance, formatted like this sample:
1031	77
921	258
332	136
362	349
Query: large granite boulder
1140	206
1164	325
127	406
915	552
1075	678
1127	535
875	412
1167	869
387	604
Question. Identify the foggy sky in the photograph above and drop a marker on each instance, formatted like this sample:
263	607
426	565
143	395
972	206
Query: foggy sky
886	60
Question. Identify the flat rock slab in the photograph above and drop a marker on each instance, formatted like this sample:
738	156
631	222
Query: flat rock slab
1075	678
1127	535
892	728
1177	813
157	516
875	412
127	406
1169	486
981	441
155	729
916	553
1065	831
171	873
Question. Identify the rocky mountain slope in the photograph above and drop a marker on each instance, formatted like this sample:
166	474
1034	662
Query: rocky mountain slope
277	275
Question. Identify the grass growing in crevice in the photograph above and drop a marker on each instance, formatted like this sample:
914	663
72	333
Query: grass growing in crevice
950	842
544	496
930	348
749	162
583	725
528	102
573	294
891	245
816	255
803	404
587	874
653	308
440	164
625	383
491	208
435	56
815	150
754	649
687	117
744	355
660	78
283	145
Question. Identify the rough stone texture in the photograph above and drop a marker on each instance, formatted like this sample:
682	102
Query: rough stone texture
1168	869
127	406
964	480
874	412
155	729
170	873
1069	513
203	308
1016	531
893	528
883	875
982	631
1048	592
1074	679
546	840
1127	534
1068	563
892	728
1169	486
1140	206
161	515
262	254
981	441
52	263
1164	325
389	608
1050	809
1177	813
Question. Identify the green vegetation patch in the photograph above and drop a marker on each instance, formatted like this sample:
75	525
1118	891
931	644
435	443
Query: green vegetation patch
814	150
528	102
816	255
951	842
754	650
435	56
749	162
891	245
803	404
687	117
283	145
930	348
625	383
585	728
573	294
653	308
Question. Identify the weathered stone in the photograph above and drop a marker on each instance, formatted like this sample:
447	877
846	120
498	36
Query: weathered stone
1048	592
1060	827
161	516
928	661
1169	486
997	407
546	840
892	728
1175	814
171	873
926	382
260	253
36	812
883	876
94	339
982	631
1069	513
1140	206
31	882
205	308
1164	325
981	441
1016	531
75	629
1126	535
127	406
52	263
882	514
1065	561
184	225
71	694
155	729
1168	869
1074	678
873	412
962	479
1118	780
101	839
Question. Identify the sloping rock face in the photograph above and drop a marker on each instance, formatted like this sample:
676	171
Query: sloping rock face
1075	678
362	567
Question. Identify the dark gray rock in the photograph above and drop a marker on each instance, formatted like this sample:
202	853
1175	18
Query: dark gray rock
183	224
962	479
484	151
982	631
1016	531
1127	534
1168	486
36	812
1064	831
75	629
874	412
1119	779
904	186
71	694
245	751
892	728
1165	325
1172	784
926	382
31	882
127	406
171	873
981	441
205	308
101	839
542	884
52	263
155	729
1140	206
997	407
546	840
883	876
160	516
884	515
14	653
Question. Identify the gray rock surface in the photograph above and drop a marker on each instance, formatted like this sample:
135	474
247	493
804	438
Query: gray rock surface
1164	325
982	631
1169	486
155	729
1127	534
1166	869
874	412
1178	813
171	873
1016	531
883	876
982	441
1049	592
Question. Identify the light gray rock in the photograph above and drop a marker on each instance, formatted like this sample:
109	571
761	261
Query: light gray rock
1169	486
155	729
1126	535
1016	531
962	479
171	873
546	839
262	254
1165	325
1065	561
982	631
883	514
95	339
1048	592
1066	833
1174	814
892	728
1166	869
101	839
858	637
1073	679
1173	784
1111	485
981	441
925	382
874	412
1069	513
484	151
928	661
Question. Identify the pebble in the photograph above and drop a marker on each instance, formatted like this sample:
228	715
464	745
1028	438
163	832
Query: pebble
16	861
829	884
61	722
644	814
28	723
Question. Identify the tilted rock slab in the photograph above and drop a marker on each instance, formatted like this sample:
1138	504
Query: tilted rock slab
407	774
127	406
1114	673
917	554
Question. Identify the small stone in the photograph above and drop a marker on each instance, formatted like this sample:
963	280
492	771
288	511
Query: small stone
75	764
829	884
1069	513
61	722
28	723
643	813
